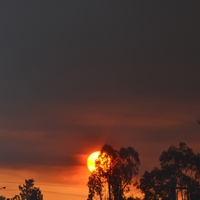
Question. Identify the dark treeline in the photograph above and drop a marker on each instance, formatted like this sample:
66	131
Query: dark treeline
177	177
27	192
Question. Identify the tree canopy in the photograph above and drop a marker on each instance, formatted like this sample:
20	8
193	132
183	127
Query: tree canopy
114	173
29	192
178	175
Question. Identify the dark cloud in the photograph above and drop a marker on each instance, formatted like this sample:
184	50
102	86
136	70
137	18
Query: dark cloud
57	51
58	135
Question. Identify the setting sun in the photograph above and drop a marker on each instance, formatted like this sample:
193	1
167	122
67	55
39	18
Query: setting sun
91	160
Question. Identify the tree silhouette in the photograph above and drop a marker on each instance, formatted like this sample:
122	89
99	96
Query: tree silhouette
114	173
179	175
29	192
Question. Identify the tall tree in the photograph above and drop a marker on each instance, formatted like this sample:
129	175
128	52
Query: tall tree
29	192
178	175
114	173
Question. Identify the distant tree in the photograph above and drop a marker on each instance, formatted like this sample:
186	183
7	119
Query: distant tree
178	175
114	173
29	192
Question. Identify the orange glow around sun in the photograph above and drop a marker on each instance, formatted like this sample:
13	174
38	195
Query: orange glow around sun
91	160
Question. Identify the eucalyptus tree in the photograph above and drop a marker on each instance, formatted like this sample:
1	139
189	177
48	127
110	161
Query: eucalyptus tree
114	173
178	174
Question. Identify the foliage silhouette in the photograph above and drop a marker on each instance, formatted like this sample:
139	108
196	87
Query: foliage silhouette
114	173
132	198
29	192
16	197
179	172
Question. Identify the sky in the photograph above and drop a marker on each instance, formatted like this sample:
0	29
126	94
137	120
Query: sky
75	75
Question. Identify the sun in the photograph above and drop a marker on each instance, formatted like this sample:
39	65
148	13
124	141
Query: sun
91	160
